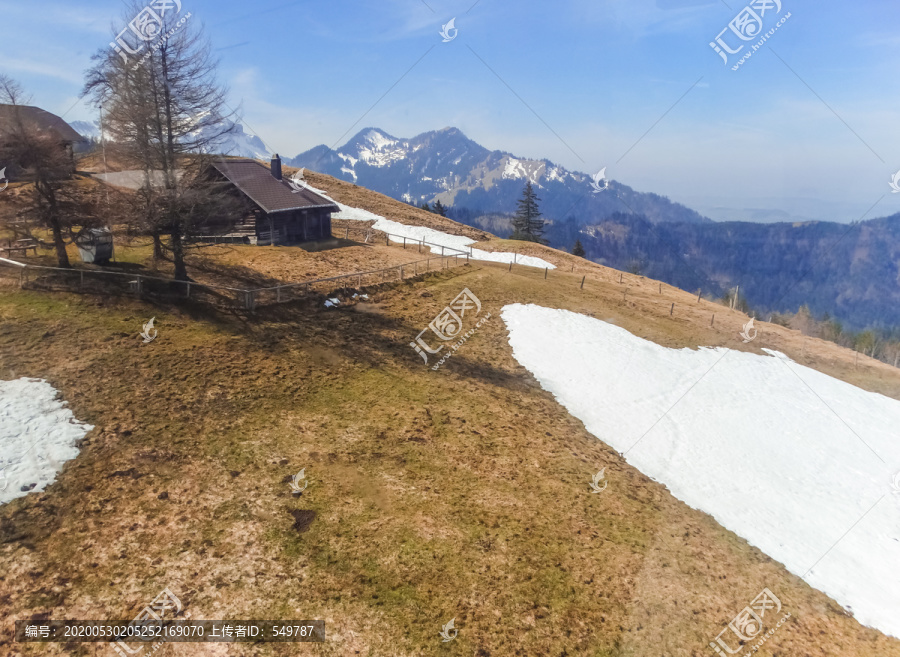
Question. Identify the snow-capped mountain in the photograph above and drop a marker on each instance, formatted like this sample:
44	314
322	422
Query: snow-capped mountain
237	142
446	165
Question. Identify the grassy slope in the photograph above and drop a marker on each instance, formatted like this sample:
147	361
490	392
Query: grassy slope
460	493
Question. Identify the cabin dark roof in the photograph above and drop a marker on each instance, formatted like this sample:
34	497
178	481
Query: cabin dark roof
36	118
258	183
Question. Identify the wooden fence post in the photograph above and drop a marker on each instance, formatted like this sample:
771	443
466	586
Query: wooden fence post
278	294
139	285
404	242
401	272
188	291
442	251
699	294
359	281
510	266
660	288
620	277
671	310
582	281
82	278
347	234
712	322
545	273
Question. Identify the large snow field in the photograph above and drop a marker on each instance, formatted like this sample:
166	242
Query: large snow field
37	435
419	233
796	462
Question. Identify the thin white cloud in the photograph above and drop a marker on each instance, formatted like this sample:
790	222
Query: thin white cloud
53	70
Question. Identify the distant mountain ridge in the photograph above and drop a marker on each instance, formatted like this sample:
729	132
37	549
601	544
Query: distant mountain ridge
446	165
236	142
850	272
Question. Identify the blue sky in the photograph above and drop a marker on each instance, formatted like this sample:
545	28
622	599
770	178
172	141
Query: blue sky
810	121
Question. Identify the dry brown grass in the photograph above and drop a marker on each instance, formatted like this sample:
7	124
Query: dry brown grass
360	197
459	493
438	494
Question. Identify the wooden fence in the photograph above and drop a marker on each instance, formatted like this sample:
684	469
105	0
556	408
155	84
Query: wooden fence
99	281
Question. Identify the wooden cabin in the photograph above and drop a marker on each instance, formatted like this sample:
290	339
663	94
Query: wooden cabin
280	213
35	121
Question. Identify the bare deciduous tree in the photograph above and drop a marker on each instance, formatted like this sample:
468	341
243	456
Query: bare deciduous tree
164	109
39	155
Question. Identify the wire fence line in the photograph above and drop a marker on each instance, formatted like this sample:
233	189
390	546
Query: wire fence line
98	281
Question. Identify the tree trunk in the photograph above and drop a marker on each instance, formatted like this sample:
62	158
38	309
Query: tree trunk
46	193
178	256
157	246
62	257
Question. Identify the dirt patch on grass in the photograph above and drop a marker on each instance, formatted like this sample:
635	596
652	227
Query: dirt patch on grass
303	518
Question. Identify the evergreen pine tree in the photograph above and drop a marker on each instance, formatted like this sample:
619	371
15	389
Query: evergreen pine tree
527	223
578	250
439	208
425	206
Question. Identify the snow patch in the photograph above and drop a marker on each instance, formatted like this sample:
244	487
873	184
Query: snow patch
420	233
378	140
513	169
774	451
37	435
348	158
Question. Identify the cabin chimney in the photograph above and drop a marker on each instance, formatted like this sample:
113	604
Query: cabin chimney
276	167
